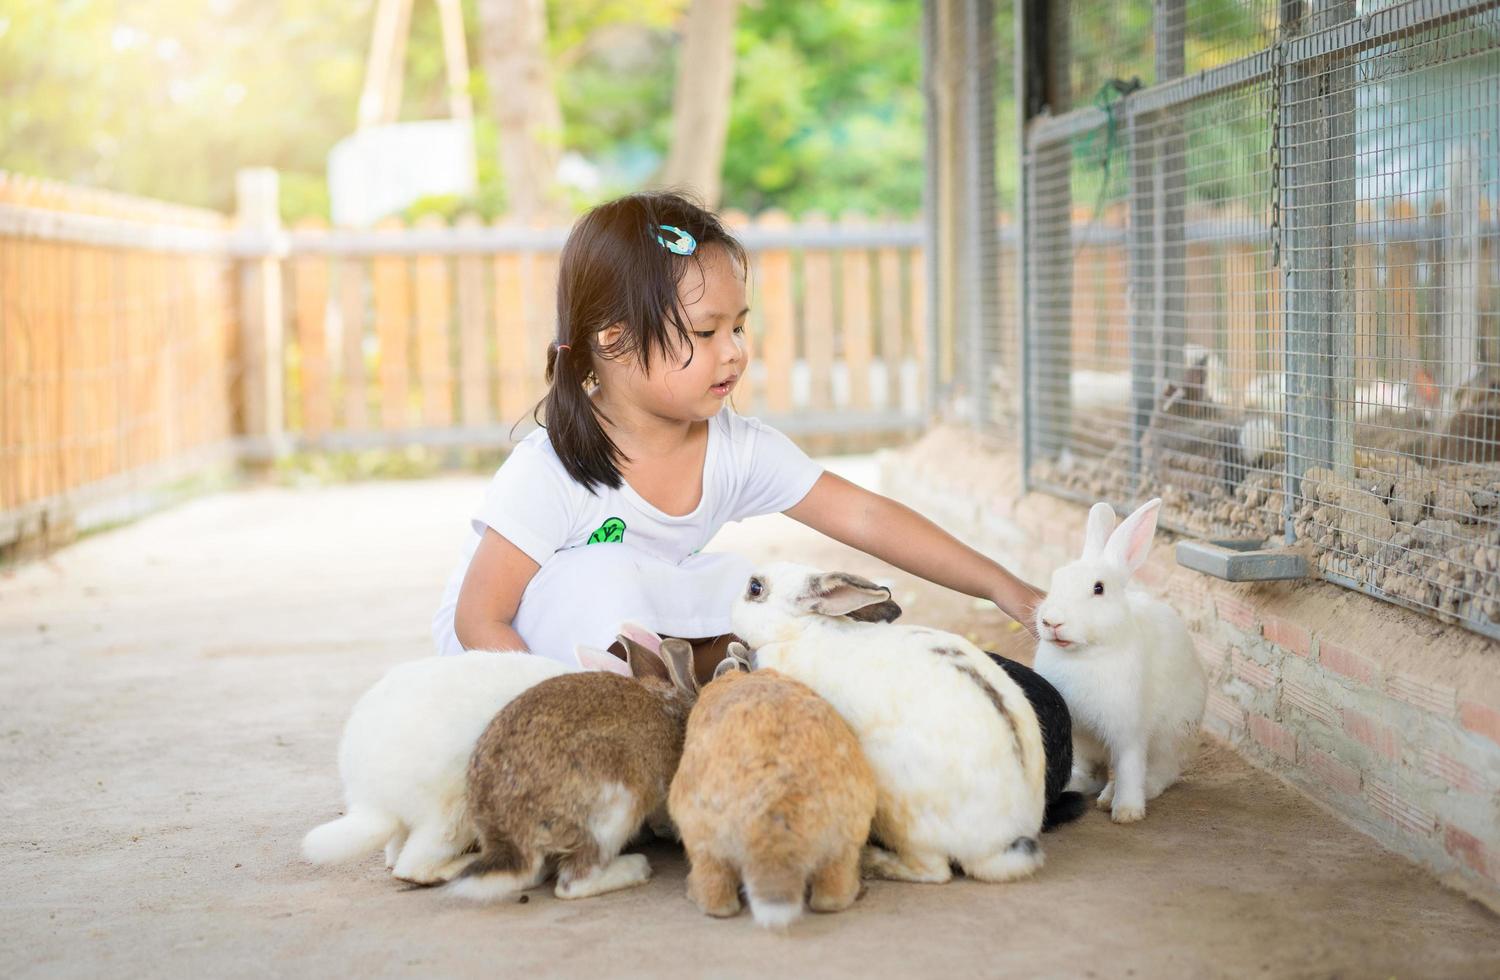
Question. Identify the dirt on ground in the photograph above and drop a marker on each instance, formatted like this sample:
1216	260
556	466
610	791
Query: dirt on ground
171	697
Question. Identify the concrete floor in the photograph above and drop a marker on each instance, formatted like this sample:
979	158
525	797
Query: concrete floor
171	695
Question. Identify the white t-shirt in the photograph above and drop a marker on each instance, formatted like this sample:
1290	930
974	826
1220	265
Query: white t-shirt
749	469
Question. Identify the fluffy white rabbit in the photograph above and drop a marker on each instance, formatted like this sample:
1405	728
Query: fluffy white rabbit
1125	664
404	755
954	743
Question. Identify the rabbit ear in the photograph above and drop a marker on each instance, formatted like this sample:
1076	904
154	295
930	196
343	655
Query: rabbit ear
739	651
730	665
641	635
677	656
1131	541
839	594
1101	522
592	658
644	662
880	612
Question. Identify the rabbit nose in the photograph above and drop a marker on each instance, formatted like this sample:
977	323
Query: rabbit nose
1050	625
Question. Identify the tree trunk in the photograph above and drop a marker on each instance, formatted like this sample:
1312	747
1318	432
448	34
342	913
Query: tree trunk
700	107
513	41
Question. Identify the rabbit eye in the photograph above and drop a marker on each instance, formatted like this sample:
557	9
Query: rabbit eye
756	588
1098	588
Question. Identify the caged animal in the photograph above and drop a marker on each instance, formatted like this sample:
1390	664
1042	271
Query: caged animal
954	743
1124	662
773	791
403	756
1193	441
569	771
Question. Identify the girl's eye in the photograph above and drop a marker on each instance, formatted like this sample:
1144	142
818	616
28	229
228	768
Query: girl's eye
739	328
704	334
1098	588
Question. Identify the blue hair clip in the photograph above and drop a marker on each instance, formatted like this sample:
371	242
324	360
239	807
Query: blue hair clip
684	244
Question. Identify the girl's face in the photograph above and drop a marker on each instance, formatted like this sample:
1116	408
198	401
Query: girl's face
683	387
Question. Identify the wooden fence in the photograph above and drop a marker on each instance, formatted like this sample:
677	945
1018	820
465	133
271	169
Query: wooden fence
117	344
139	339
437	334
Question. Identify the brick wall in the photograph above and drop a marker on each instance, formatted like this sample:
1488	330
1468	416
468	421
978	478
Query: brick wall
1387	717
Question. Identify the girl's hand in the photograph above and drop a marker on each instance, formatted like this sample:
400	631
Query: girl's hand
1019	601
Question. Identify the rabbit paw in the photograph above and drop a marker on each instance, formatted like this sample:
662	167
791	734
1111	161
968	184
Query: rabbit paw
1107	796
1127	814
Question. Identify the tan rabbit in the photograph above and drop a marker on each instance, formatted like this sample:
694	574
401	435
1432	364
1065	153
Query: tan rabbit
773	790
571	768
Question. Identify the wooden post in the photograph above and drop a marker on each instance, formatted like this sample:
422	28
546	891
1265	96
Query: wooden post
356	393
262	324
473	348
778	348
510	334
393	332
892	350
434	363
745	395
854	274
818	324
310	286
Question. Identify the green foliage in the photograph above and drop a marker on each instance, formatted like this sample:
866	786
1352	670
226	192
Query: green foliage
167	98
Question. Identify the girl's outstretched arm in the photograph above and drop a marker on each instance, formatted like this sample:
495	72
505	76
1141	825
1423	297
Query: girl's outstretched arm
896	534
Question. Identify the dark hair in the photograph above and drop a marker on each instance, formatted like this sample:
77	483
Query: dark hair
613	270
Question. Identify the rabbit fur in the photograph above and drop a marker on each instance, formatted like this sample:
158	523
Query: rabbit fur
1124	662
403	756
772	791
953	741
569	771
1063	805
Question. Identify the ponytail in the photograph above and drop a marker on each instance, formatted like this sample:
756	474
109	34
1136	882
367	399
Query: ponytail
572	420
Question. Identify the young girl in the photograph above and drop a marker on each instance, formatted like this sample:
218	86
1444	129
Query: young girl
599	518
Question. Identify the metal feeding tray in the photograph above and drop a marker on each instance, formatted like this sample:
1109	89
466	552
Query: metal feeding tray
1240	560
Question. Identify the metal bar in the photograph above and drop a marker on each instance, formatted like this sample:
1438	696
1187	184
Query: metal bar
1050	250
1351	34
1030	39
931	215
1346	39
981	258
1141	289
1338	85
1169	25
1308	259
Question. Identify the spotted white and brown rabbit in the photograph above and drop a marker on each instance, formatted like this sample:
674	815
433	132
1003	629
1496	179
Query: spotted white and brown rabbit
953	741
1124	662
773	792
569	771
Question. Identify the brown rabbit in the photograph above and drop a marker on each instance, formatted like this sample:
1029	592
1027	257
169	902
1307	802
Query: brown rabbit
773	789
570	769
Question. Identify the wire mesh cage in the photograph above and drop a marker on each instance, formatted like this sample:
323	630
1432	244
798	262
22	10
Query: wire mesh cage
1263	282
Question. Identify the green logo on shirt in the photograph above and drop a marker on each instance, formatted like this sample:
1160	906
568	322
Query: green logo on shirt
612	530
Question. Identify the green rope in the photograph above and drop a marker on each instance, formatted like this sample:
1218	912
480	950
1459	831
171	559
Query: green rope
1108	100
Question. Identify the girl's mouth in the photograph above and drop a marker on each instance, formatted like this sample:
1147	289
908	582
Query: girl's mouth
723	388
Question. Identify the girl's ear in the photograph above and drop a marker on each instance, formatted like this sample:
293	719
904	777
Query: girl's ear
610	335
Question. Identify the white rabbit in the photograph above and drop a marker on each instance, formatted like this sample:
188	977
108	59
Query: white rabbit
954	743
1125	664
403	758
